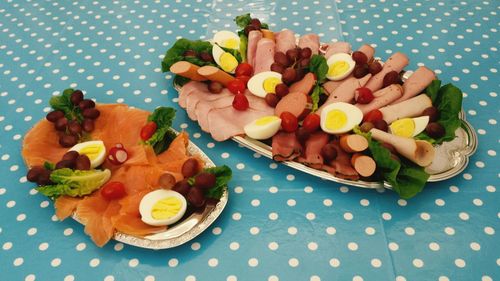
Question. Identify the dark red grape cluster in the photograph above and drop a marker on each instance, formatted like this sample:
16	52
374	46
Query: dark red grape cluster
254	24
71	128
292	66
204	56
194	192
71	159
363	66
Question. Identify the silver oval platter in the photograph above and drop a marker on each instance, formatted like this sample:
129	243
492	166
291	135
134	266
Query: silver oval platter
181	232
451	157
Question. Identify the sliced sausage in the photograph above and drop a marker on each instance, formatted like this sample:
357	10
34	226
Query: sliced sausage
305	85
297	103
188	70
363	164
213	73
353	143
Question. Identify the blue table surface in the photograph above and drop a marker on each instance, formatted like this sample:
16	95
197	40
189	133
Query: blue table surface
279	224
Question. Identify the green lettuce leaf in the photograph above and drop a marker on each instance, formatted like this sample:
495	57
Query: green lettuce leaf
319	67
406	178
316	93
180	80
224	175
49	166
243	47
176	53
448	101
243	20
163	136
74	183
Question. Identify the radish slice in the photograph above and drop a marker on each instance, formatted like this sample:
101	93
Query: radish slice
117	154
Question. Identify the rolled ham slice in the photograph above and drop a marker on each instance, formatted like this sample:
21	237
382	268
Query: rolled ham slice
396	62
416	83
409	108
418	151
312	152
368	50
345	91
330	86
337	47
285	146
382	98
285	40
264	55
310	40
253	38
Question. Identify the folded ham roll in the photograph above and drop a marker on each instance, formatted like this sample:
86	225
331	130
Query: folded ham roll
345	91
285	40
368	50
310	40
264	55
396	62
382	98
337	47
417	82
253	38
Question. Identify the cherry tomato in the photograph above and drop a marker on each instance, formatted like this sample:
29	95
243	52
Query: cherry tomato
148	130
289	122
240	102
113	190
311	122
373	116
244	78
364	95
244	69
236	86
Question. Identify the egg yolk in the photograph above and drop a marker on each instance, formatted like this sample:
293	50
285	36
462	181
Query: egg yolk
338	68
228	62
92	151
403	127
230	43
335	120
265	120
166	208
270	83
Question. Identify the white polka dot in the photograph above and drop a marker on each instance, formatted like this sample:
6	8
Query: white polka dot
290	177
313	246
348	216
255	202
69	278
256	177
402	202
190	278
240	166
234	246
310	216
308	189
449	230
425	216
236	216
386	216
149	278
418	263
225	155
7	246
460	263
327	202
18	262
463	216
81	246
254	230
370	230
292	230
291	202
352	246
273	278
195	246
357	278
68	231
273	216
475	246
213	262
55	262
30	277
315	278
376	263
489	230
443	278
393	246
434	246
232	278
173	262
238	189
118	247
478	202
94	262
410	231
331	230
109	278
253	262
293	262
364	202
334	262
217	230
439	202
133	262
43	246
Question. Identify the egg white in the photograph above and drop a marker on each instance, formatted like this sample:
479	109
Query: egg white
265	131
100	157
340	57
224	35
256	83
354	117
420	124
217	52
150	199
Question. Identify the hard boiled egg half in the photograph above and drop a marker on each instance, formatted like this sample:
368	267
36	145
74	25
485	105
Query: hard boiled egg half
225	60
340	65
263	128
95	151
227	39
162	207
409	127
264	83
340	117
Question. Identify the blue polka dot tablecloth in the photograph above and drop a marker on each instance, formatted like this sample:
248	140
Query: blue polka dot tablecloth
279	224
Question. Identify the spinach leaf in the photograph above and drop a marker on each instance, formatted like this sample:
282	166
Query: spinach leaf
319	67
180	80
223	175
243	20
433	89
63	103
176	53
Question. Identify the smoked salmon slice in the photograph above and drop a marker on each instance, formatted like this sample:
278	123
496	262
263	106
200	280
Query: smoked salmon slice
117	123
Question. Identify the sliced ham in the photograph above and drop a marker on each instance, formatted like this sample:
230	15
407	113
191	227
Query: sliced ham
337	47
416	83
188	89
227	122
396	62
412	107
368	50
341	167
330	86
310	40
312	152
285	40
285	146
345	91
264	55
382	98
253	38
